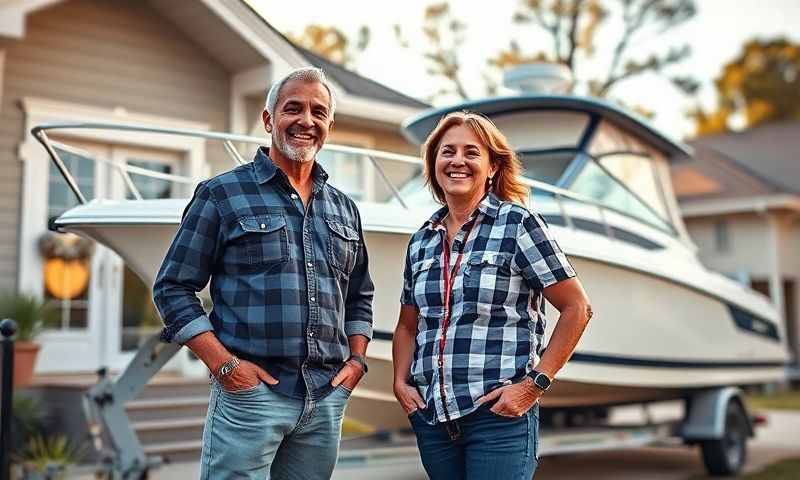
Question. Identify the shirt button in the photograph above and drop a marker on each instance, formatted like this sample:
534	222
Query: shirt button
294	196
263	226
312	299
310	264
310	333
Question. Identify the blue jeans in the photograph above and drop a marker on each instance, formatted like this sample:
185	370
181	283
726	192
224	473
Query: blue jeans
479	446
260	434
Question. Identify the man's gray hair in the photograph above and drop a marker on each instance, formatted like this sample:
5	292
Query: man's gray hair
307	74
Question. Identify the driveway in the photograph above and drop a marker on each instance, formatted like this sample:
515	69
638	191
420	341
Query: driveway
775	441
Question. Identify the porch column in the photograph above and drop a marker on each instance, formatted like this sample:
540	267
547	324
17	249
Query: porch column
774	262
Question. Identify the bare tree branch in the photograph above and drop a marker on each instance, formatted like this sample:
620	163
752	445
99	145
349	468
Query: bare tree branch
633	22
572	37
653	63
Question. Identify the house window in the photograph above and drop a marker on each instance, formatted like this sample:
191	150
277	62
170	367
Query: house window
722	242
59	196
150	187
346	171
140	319
66	280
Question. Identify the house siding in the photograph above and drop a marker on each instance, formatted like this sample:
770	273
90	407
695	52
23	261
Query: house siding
106	54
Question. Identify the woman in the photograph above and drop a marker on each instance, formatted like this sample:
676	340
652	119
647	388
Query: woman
471	320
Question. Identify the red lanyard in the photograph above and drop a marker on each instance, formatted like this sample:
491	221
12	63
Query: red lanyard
449	280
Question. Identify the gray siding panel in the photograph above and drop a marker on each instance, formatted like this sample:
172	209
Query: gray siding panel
101	53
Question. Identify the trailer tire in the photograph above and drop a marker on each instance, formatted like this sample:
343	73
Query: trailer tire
727	455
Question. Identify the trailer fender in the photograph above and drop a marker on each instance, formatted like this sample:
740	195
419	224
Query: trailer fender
706	417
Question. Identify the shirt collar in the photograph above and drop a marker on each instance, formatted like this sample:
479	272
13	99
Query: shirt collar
265	169
489	207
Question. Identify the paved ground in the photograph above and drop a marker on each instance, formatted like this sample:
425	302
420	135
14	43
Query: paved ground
777	440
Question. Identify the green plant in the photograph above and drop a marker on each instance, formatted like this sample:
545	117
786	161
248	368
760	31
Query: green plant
30	312
28	419
48	456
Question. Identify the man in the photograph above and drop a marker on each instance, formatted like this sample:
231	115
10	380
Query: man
286	339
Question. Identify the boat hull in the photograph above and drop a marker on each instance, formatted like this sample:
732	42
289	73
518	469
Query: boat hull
653	336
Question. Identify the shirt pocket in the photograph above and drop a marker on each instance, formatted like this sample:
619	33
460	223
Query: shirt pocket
487	276
265	239
343	243
425	282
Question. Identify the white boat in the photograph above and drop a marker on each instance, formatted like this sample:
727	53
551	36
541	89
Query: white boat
664	325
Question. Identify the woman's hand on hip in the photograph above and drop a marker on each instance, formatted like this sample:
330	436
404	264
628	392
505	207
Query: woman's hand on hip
513	400
408	397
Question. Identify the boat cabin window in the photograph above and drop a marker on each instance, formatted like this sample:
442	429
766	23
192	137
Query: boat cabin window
608	139
542	129
546	167
598	184
638	174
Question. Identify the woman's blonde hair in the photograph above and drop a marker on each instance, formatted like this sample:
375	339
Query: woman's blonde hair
506	183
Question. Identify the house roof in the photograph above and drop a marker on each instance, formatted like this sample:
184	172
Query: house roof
214	24
755	170
714	175
350	81
356	84
768	154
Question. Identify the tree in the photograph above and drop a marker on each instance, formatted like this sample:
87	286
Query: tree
331	43
761	85
444	34
573	25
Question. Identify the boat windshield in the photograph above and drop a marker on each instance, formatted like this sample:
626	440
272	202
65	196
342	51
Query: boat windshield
598	184
624	181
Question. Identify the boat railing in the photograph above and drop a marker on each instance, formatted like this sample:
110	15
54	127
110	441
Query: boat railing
229	141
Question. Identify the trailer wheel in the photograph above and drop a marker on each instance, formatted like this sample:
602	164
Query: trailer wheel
727	455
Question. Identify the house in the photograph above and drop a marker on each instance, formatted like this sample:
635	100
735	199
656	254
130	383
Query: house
195	64
740	201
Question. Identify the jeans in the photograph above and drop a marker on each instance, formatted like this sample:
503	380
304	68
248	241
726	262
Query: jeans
479	446
260	434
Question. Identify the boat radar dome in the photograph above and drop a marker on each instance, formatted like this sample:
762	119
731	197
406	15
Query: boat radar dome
539	78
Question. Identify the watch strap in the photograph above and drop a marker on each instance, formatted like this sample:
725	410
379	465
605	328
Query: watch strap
227	368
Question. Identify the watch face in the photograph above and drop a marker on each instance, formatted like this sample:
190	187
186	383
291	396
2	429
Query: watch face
224	370
542	381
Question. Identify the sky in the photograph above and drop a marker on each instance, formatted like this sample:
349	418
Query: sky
716	35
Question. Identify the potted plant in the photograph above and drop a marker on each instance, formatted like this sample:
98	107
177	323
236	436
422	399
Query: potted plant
31	314
48	457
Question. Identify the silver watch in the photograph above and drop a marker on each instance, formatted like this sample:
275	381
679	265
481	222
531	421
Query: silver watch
227	368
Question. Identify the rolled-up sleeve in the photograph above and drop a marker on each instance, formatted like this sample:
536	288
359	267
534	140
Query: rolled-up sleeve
187	268
538	257
360	292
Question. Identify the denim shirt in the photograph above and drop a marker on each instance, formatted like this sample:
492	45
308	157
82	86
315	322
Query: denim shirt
289	285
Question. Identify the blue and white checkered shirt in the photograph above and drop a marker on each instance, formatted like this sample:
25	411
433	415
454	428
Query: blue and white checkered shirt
288	285
496	325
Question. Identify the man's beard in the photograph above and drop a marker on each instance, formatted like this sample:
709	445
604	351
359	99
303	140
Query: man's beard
301	155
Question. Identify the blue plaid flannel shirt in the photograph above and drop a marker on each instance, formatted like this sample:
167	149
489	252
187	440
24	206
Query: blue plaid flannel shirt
497	320
288	286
